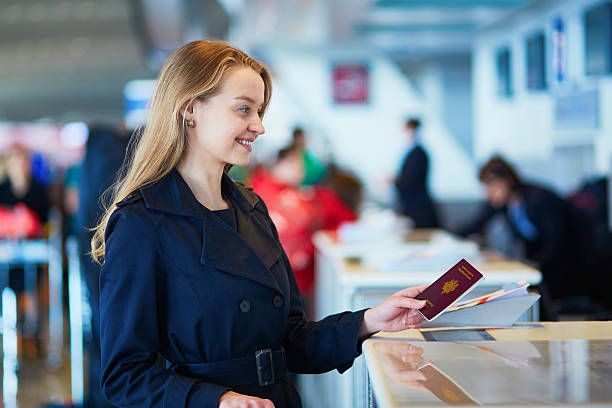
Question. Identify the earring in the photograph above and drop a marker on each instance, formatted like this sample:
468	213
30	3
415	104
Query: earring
190	123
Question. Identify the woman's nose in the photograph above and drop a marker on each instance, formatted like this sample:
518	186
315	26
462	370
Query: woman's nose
256	126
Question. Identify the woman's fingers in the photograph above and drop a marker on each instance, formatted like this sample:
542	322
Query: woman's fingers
234	400
411	291
408	303
414	312
261	403
264	403
411	322
411	375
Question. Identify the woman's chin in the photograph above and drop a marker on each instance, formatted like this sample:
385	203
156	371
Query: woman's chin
240	162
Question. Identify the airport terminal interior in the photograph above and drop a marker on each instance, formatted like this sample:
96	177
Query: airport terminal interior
405	203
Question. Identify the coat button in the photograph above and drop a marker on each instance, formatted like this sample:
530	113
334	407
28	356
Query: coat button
245	306
277	301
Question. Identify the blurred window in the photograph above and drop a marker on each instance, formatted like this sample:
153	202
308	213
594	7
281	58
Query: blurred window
598	39
536	62
504	72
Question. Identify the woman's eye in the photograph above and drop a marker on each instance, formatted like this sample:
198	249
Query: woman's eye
245	109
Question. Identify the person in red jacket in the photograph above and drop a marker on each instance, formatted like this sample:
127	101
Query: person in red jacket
298	212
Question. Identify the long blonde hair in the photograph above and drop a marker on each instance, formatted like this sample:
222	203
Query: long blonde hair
193	71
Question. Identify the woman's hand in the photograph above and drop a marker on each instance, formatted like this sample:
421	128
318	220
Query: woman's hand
398	312
234	400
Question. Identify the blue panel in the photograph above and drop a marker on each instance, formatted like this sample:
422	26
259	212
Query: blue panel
578	110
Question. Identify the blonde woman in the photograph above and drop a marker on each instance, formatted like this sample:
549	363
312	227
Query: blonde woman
193	270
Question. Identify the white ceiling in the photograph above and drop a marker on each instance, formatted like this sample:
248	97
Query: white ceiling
66	59
69	59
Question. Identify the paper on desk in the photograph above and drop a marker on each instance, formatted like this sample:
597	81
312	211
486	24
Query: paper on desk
507	291
496	313
431	256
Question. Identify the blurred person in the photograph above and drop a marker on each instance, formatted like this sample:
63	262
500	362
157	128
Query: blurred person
70	199
346	185
298	212
104	154
592	197
24	208
193	270
556	235
20	187
411	183
314	169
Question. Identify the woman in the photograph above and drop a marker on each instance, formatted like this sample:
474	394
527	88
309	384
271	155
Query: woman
193	269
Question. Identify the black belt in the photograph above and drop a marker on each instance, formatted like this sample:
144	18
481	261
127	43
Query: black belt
264	368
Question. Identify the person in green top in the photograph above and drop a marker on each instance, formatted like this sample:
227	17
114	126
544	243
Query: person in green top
314	168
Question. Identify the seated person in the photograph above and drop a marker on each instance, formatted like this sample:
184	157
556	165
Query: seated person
557	236
298	212
21	194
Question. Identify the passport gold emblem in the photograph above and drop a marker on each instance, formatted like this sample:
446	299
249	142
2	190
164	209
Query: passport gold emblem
450	395
450	286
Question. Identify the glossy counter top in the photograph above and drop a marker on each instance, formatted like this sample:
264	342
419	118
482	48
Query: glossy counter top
558	364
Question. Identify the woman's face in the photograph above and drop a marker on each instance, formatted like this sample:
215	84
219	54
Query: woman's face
290	170
227	123
498	192
18	165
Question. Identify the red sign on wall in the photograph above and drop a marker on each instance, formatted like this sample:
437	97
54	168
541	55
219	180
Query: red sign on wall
350	82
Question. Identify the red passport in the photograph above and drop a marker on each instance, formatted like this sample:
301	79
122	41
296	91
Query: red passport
451	286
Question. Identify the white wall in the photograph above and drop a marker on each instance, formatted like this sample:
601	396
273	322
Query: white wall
522	127
368	138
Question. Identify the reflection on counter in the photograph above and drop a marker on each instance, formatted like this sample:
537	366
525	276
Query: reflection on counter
400	362
514	373
444	387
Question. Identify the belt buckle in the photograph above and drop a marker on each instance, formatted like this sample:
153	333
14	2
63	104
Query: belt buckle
258	360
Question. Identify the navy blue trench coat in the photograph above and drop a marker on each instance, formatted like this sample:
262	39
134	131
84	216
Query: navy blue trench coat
219	302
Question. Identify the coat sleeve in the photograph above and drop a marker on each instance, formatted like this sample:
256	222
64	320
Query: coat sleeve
131	286
317	347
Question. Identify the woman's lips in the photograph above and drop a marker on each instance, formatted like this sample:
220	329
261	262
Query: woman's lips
246	143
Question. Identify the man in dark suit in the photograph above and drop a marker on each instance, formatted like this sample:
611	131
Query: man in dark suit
411	183
556	235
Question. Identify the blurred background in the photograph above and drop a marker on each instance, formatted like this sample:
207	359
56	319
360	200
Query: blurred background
357	84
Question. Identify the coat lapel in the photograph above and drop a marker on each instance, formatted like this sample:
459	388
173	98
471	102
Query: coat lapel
228	251
248	253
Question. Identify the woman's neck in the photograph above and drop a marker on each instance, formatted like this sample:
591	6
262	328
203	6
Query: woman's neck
204	181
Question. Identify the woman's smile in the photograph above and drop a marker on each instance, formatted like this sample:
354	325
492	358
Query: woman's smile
246	142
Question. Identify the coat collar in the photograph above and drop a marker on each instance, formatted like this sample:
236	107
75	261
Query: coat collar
172	194
249	253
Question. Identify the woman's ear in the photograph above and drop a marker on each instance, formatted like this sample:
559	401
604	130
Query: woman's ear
187	109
